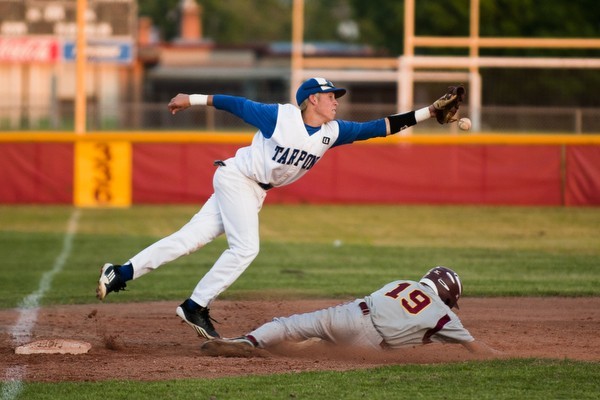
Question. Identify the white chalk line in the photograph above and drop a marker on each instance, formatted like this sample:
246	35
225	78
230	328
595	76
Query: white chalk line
29	307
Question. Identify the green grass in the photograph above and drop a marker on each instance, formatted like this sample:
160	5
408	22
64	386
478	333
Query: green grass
325	251
314	251
519	379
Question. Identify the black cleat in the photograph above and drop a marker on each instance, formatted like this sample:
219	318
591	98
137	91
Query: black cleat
110	281
199	320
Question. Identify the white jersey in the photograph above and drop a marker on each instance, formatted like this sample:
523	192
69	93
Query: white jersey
402	313
289	153
407	313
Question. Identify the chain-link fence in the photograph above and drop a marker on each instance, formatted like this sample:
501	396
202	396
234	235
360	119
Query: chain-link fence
155	116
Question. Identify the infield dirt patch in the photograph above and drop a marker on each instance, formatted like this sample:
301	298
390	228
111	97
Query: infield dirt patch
147	341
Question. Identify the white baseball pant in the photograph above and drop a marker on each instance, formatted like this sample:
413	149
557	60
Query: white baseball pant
232	209
343	324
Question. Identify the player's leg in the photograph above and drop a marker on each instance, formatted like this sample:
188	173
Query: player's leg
203	228
200	230
240	200
342	324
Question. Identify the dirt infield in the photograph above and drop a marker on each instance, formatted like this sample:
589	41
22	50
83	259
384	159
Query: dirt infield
147	341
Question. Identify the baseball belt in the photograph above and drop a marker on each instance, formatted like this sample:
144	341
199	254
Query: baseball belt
265	186
365	310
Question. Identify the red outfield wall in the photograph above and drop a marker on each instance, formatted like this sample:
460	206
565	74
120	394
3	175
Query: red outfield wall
36	173
513	174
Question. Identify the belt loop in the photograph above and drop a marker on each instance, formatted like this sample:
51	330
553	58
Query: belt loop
364	307
265	186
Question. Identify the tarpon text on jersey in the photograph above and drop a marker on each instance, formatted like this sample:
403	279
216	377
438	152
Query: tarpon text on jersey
291	156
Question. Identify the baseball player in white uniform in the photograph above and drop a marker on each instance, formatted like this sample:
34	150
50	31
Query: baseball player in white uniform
402	313
289	142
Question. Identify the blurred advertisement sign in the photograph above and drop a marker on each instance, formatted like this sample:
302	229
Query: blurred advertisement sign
28	49
46	30
47	50
105	51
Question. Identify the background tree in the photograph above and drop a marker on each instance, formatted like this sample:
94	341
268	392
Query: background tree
164	15
380	24
239	22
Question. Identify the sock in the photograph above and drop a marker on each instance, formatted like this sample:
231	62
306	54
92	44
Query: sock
253	340
191	305
126	271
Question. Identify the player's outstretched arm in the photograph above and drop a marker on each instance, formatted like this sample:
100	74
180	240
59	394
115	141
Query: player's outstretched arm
183	101
443	109
478	347
398	122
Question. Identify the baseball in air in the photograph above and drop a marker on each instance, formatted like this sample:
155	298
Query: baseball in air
464	124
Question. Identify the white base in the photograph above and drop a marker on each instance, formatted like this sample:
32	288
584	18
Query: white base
54	346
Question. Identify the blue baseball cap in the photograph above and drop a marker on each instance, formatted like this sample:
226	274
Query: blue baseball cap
317	85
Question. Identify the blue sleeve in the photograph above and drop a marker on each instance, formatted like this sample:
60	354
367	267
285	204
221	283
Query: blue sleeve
262	116
353	131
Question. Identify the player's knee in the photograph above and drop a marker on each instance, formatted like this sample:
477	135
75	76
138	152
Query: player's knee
247	252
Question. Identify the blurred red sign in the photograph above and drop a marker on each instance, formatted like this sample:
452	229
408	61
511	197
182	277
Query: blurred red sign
28	49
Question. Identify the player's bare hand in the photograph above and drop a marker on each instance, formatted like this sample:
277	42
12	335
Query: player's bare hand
479	347
179	103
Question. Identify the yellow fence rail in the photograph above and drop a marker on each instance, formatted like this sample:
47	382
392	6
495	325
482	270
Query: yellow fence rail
236	137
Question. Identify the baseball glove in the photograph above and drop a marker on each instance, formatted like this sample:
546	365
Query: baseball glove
447	105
